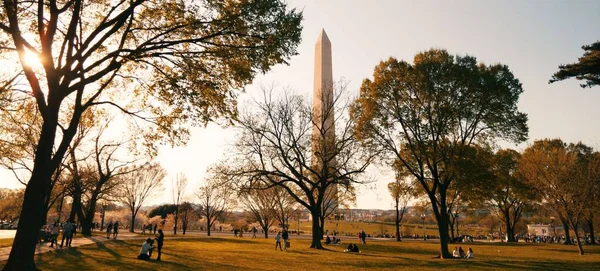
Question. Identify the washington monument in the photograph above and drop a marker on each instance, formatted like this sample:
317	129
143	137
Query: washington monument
323	116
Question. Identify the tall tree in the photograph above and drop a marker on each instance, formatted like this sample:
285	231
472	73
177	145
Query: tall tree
564	175
215	198
138	185
279	147
427	113
178	188
186	64
506	194
587	68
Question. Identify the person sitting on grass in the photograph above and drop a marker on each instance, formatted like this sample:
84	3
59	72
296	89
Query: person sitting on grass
327	240
455	253
470	254
355	248
349	248
146	250
461	252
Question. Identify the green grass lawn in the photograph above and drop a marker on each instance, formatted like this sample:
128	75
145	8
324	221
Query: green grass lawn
259	254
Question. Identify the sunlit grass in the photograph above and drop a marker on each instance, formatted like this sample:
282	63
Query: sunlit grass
6	242
259	254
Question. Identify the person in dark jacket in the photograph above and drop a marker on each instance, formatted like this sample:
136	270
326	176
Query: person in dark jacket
159	243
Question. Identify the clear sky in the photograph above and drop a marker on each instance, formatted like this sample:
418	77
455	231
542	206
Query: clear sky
531	37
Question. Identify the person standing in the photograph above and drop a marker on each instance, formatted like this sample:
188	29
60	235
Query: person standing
67	233
363	236
109	229
54	234
278	241
143	229
115	229
159	243
285	237
254	232
155	226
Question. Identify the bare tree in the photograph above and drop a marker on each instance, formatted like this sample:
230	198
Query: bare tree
139	185
215	197
261	203
178	187
284	143
186	211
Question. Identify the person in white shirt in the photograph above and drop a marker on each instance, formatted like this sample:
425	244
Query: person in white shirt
146	249
455	253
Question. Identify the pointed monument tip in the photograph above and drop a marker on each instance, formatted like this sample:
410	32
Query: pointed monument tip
323	36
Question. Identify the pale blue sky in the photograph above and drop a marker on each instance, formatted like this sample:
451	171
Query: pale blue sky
531	37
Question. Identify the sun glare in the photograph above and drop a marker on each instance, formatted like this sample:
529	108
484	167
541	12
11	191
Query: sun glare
31	59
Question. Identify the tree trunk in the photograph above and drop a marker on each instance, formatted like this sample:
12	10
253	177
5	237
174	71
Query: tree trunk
442	218
317	230
398	238
176	218
208	225
86	222
579	247
590	223
567	233
132	224
266	231
510	229
26	238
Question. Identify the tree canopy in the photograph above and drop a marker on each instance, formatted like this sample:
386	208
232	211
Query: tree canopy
587	68
426	114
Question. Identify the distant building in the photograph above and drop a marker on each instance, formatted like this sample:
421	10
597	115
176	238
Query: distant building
540	229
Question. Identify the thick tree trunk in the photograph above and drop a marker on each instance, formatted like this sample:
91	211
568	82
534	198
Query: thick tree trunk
567	233
208	225
317	230
132	224
442	218
23	248
88	219
590	223
265	228
510	229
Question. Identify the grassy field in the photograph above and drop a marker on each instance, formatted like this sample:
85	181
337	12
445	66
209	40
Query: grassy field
6	242
258	254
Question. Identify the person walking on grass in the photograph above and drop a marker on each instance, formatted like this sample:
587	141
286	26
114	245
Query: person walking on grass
115	229
159	243
278	241
109	229
254	232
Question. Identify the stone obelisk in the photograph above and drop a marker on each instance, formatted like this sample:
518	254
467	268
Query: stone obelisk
323	116
323	88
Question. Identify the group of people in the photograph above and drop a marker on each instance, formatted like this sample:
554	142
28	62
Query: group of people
352	248
52	231
332	241
148	247
362	237
460	253
149	228
286	242
114	227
